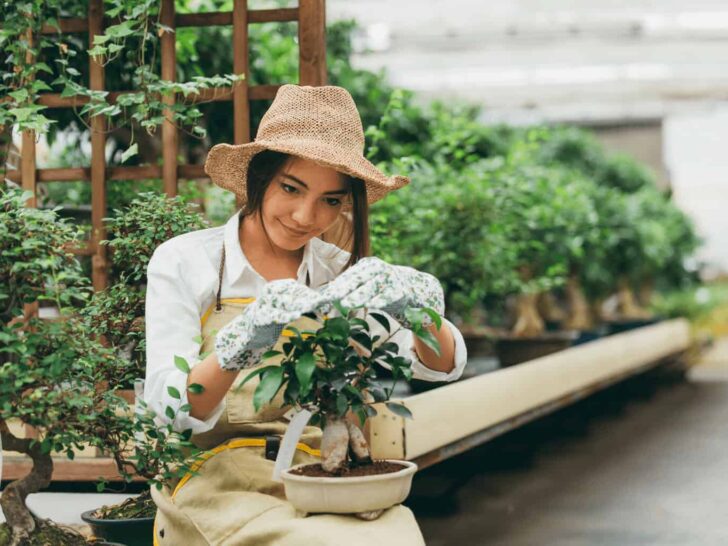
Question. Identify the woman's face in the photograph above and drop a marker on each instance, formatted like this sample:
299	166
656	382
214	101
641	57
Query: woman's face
303	201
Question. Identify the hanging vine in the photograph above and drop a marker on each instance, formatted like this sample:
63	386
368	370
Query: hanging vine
134	36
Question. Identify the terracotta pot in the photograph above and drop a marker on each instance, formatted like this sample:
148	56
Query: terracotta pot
131	532
348	495
514	350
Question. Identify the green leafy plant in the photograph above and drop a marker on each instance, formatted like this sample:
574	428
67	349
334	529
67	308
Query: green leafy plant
332	372
53	376
117	313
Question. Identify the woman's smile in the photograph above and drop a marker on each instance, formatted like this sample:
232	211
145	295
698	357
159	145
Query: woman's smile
294	232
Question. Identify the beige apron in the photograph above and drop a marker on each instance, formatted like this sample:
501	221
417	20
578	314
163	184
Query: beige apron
232	500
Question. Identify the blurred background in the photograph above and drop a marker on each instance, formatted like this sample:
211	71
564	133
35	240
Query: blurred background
649	78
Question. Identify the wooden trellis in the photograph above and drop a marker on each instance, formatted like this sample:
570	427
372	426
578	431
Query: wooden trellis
310	15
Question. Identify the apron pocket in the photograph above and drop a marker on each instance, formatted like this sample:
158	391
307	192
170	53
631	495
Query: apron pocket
224	496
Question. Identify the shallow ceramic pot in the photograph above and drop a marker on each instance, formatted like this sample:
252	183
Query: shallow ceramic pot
348	495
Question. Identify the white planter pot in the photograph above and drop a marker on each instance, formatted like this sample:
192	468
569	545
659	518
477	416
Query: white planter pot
348	495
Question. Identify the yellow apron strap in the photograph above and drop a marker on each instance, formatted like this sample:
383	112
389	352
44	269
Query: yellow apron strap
234	444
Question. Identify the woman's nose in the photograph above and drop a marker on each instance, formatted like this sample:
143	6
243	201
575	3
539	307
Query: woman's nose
305	215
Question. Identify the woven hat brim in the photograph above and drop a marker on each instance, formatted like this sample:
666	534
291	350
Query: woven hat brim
227	166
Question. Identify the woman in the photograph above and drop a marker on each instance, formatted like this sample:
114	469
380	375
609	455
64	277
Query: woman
235	287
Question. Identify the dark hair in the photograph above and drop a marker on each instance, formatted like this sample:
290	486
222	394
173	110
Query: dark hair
263	168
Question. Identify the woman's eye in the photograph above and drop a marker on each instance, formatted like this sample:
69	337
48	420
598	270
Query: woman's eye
332	201
288	188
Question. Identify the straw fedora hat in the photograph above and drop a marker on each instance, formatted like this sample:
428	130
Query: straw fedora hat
321	124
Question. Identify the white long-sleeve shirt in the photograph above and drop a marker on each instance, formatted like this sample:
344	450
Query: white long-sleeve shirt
182	281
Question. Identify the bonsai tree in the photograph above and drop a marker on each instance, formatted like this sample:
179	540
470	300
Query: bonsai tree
548	219
655	235
332	372
116	314
52	374
444	223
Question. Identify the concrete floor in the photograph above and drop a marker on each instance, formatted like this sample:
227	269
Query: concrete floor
644	463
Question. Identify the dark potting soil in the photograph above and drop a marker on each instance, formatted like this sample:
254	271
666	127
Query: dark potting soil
377	467
141	506
47	532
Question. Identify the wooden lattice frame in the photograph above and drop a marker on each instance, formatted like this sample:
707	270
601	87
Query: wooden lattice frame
310	15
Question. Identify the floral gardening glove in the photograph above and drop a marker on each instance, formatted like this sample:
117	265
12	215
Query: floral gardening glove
243	341
391	288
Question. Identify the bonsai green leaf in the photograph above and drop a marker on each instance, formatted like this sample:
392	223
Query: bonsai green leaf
434	315
381	319
363	340
181	363
338	327
399	409
271	354
169	412
129	152
268	387
360	322
344	311
429	339
174	392
196	388
304	370
253	374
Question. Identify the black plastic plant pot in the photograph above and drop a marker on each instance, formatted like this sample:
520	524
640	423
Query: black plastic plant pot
514	350
625	325
552	325
479	345
129	532
585	336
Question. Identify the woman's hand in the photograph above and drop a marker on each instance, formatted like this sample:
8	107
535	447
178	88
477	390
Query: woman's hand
242	342
376	284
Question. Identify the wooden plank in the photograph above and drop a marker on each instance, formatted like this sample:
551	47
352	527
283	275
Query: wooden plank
473	440
241	106
453	412
209	19
140	172
86	469
256	92
312	42
97	82
170	138
29	175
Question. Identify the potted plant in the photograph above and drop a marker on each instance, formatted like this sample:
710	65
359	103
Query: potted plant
547	218
143	449
116	315
469	256
332	373
52	375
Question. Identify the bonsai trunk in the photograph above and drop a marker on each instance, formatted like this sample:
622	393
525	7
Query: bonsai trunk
340	439
580	317
19	519
626	302
549	308
528	321
647	289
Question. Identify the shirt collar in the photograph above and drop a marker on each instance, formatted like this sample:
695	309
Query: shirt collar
236	263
